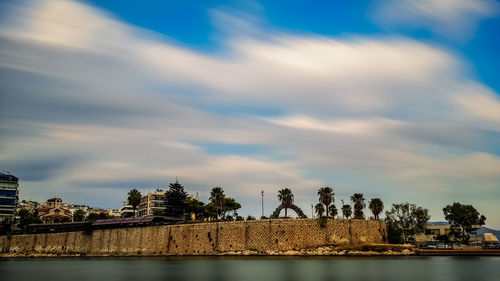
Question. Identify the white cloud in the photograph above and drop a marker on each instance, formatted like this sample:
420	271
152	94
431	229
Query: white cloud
480	102
122	109
450	18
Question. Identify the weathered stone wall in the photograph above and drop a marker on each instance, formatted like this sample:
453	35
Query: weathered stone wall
199	239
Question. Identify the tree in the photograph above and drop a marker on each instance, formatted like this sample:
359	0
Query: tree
463	220
376	206
134	198
6	226
346	211
250	218
175	200
217	197
359	205
333	211
210	211
406	220
320	209
79	215
97	216
286	197
326	197
230	205
26	218
197	208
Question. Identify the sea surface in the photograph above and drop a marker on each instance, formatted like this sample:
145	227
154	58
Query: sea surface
254	268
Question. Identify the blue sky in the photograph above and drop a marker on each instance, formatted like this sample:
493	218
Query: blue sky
396	99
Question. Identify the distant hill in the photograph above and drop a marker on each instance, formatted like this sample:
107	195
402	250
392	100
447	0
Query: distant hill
484	230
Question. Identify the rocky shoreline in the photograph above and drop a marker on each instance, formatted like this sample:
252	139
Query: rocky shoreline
355	250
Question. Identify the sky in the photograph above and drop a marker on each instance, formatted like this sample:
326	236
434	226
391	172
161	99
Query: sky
395	99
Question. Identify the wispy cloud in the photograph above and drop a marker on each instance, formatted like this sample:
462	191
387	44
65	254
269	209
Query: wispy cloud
121	106
456	19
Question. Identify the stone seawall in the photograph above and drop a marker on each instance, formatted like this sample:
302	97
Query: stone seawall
259	237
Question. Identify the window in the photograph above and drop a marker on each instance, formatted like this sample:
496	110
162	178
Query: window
432	231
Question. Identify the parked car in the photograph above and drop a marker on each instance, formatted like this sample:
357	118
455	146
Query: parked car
428	247
442	246
491	246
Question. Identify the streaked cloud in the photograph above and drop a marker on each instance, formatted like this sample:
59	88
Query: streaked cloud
449	18
120	106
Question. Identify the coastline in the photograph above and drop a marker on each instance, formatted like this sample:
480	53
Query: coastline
368	250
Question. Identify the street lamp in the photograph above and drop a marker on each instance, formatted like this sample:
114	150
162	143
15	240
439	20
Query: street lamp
262	193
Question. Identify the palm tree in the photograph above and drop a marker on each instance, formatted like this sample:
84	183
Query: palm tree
217	197
359	205
376	206
346	211
286	197
134	198
320	209
333	211
326	197
78	215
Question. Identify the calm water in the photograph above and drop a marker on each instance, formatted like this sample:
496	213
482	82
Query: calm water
255	269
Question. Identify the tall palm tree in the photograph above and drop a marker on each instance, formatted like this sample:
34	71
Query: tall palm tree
359	205
333	211
134	198
326	197
376	206
320	209
217	197
286	197
346	211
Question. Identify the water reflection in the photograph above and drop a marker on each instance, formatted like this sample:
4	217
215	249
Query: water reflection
254	269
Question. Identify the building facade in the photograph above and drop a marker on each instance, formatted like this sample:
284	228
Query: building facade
54	212
435	230
126	211
151	202
9	195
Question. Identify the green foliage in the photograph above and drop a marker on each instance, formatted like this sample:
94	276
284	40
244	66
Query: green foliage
376	206
240	218
285	195
264	218
6	226
326	197
333	211
464	219
134	198
346	211
196	207
407	219
217	197
79	215
394	233
210	211
26	218
175	201
230	205
359	204
250	218
96	216
322	220
320	209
